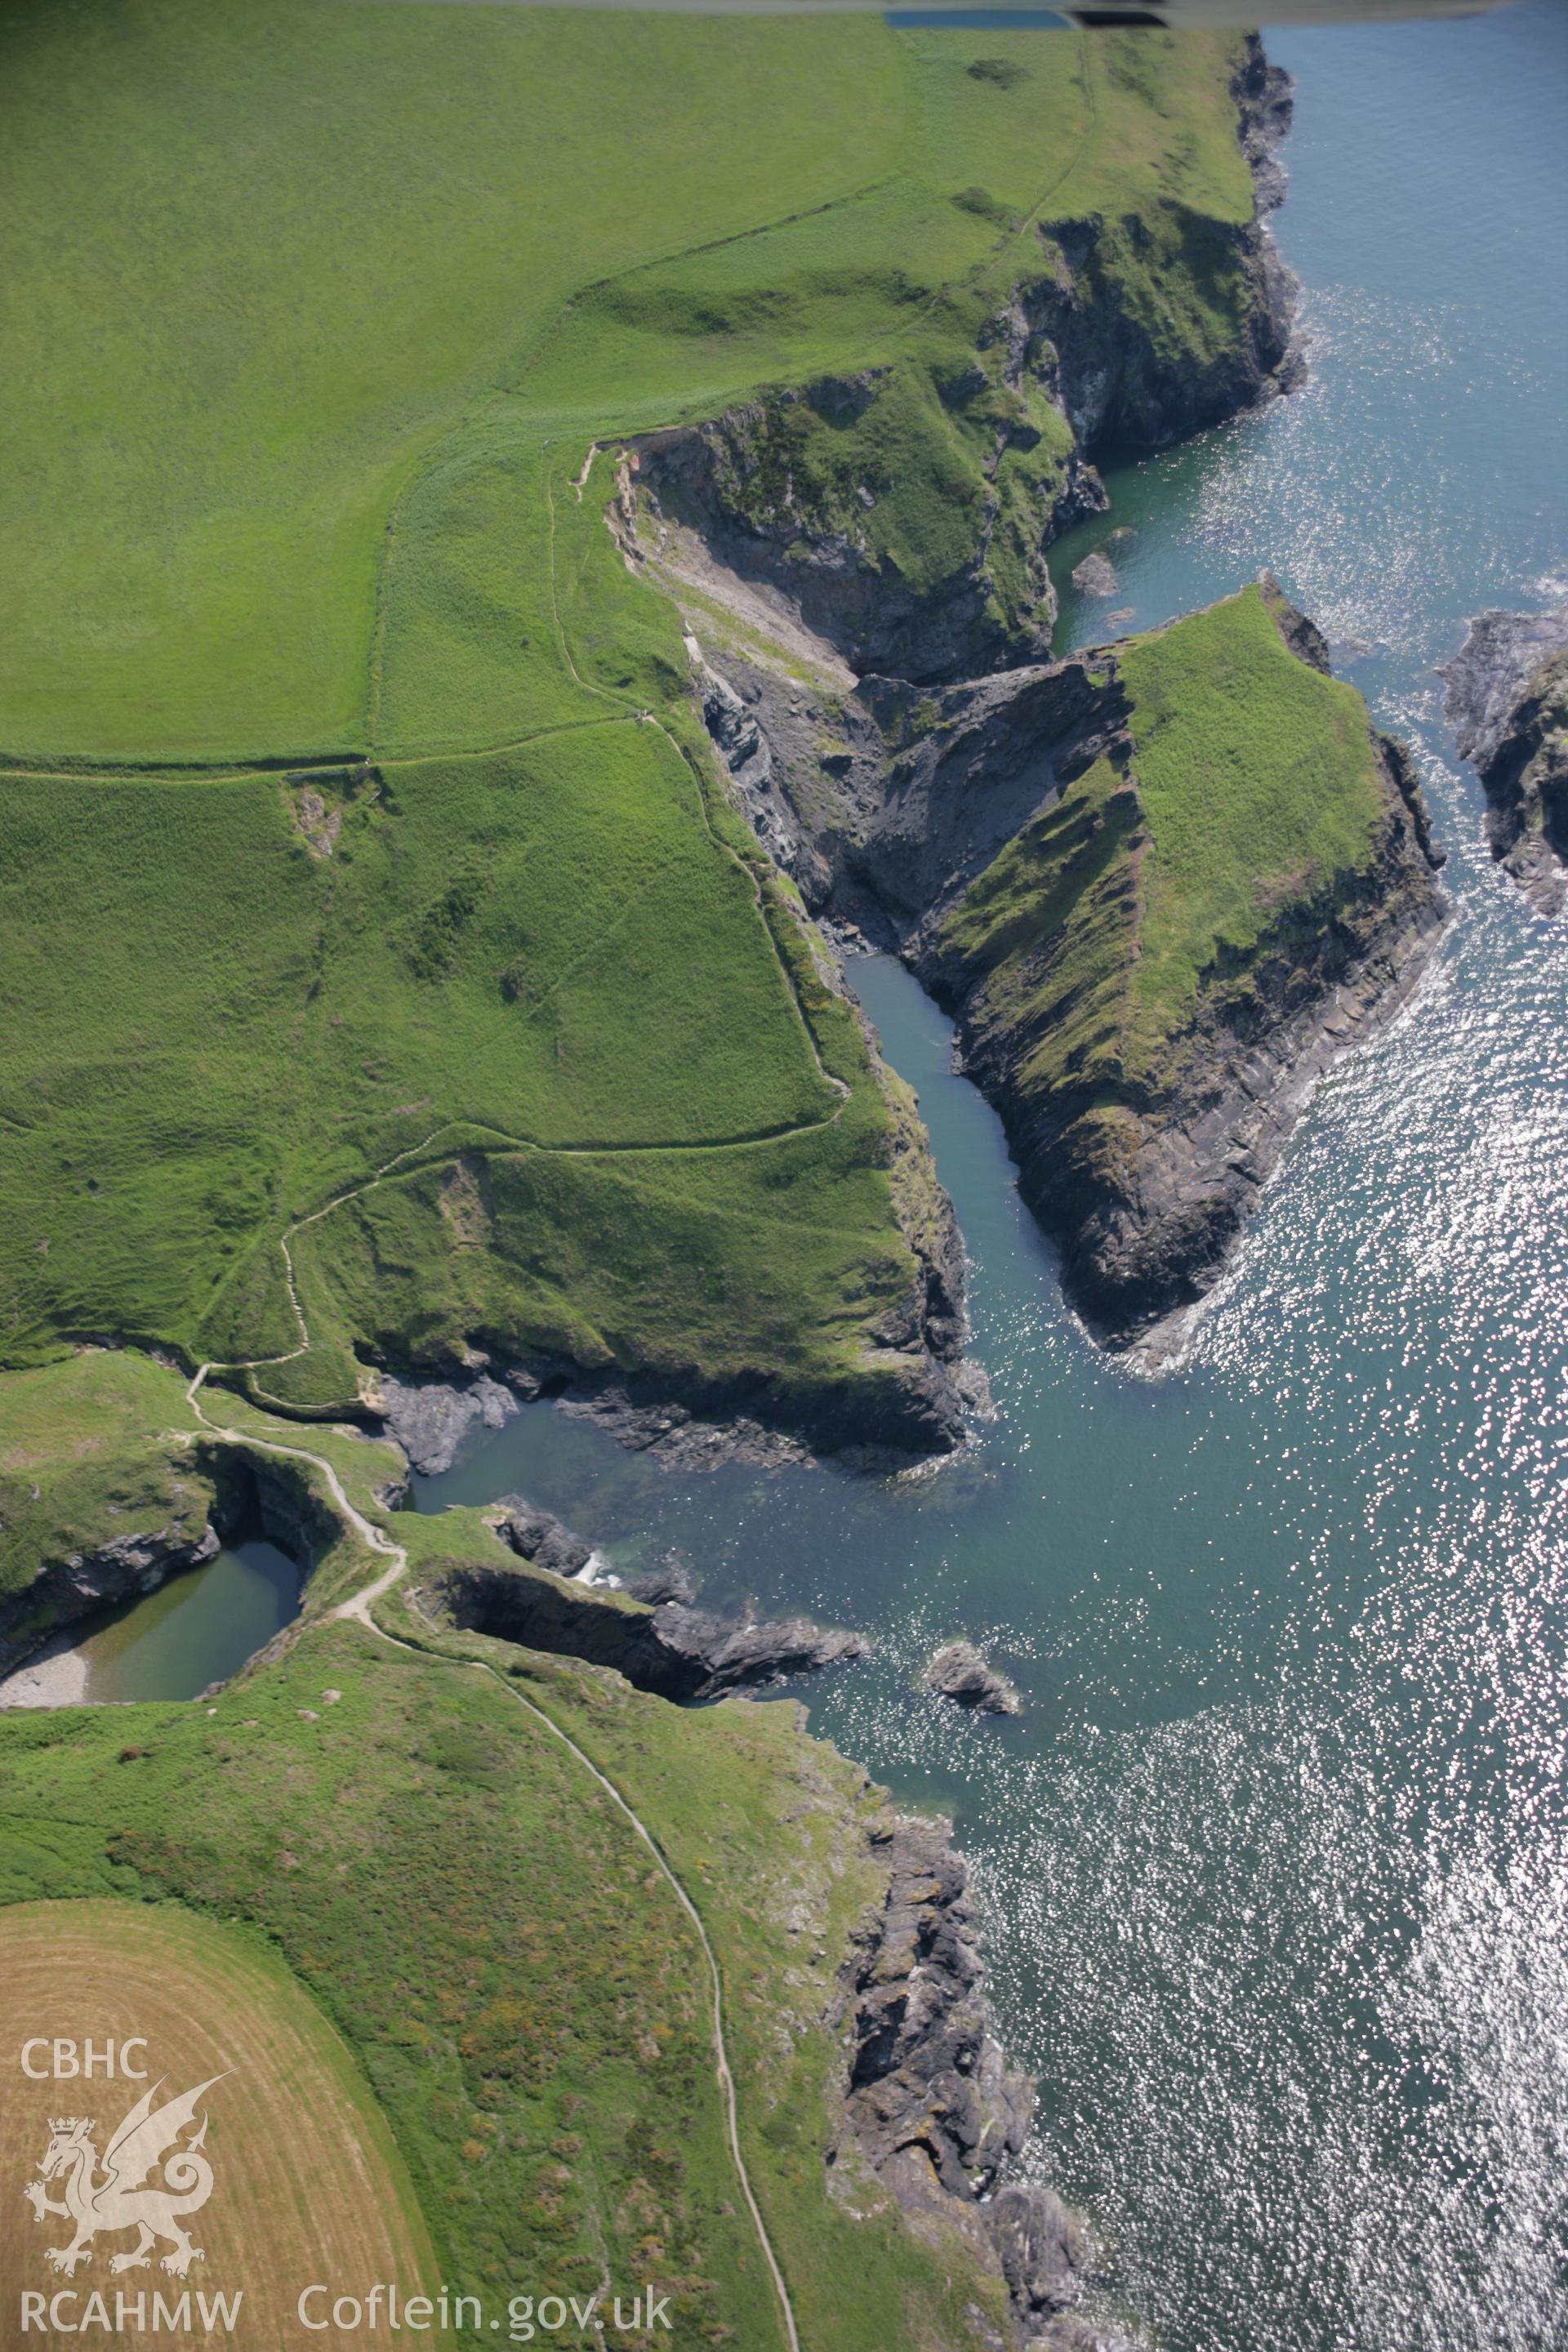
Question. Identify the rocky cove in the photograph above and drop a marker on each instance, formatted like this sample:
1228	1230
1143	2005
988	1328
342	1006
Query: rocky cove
894	742
217	1496
928	2112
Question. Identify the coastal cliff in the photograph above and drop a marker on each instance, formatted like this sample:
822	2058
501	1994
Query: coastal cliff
902	514
929	2101
1154	971
150	1519
1164	884
1506	698
669	1649
922	2120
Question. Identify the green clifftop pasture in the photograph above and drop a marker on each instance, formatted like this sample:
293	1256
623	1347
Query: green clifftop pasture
1187	930
341	862
1250	780
526	1999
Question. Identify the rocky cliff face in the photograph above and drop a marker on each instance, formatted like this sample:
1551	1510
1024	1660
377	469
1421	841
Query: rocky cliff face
930	2101
1142	1171
910	733
1144	1166
82	1582
1507	696
1145	1185
673	1649
226	1492
788	491
920	1401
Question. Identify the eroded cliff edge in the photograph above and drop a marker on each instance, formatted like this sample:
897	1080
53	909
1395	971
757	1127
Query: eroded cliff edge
1162	884
1238	885
1507	697
929	2103
923	2114
900	516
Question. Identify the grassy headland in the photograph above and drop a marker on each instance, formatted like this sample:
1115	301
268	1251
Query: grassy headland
1252	781
323	676
522	1991
1152	959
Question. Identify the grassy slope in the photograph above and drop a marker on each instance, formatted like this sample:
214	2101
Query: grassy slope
536	2032
520	1989
427	306
306	244
83	1459
1254	782
1258	781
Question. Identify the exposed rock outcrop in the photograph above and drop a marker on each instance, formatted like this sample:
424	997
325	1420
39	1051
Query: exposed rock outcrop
957	1671
918	1400
538	1536
671	1579
82	1582
674	1651
1144	1170
933	2106
1507	697
1143	1179
430	1419
884	803
1095	576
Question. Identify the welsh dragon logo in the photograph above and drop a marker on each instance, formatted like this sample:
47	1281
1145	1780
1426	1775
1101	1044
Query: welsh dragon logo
122	2199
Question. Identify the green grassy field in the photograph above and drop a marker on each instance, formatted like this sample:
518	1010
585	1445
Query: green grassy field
524	1996
308	243
366	886
300	262
84	1457
303	373
1252	784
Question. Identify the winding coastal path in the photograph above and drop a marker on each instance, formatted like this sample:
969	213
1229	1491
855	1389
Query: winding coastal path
357	1609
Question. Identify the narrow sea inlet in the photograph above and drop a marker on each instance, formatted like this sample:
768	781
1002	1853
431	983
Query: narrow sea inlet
1274	1861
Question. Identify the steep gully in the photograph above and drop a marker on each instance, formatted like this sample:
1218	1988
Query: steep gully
927	733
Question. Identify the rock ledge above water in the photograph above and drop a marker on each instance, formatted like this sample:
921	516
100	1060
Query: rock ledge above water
959	1672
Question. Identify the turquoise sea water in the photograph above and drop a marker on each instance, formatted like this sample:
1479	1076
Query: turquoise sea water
1275	1864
